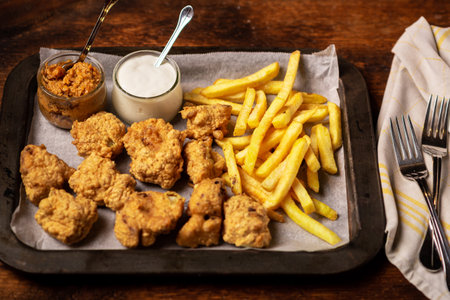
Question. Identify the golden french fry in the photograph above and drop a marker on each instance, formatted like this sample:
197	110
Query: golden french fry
303	116
197	90
238	142
292	133
313	98
275	216
326	153
199	99
301	195
251	187
324	210
271	140
238	97
239	85
233	172
311	160
273	88
312	178
313	137
221	80
275	106
306	106
308	223
335	125
285	116
294	161
318	115
240	156
241	122
258	111
271	181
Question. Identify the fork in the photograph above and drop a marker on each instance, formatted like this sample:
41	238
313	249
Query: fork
434	142
412	166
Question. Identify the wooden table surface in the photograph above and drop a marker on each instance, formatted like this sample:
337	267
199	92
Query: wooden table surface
364	33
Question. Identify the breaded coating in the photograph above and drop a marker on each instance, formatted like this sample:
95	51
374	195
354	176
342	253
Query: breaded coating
199	160
146	215
66	218
200	231
97	179
206	120
205	208
101	133
219	163
207	198
41	171
246	223
155	150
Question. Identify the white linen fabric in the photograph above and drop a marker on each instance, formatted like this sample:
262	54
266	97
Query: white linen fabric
420	68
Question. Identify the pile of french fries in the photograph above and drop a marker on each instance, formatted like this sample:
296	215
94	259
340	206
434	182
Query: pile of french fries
266	163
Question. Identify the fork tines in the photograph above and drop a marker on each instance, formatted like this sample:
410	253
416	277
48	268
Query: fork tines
409	152
436	127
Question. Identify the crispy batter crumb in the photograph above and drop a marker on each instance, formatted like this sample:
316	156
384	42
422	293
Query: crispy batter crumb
205	208
206	120
66	218
41	171
201	161
155	150
146	215
101	133
246	223
97	179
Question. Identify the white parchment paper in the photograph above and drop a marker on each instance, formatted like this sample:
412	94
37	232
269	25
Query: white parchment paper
317	73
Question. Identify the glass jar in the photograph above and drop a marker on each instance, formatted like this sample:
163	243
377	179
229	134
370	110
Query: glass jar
61	110
166	93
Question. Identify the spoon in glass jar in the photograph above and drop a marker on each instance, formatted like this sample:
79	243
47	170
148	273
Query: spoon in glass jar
185	17
106	7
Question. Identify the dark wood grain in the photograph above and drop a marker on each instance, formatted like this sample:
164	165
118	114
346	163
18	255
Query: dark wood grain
364	33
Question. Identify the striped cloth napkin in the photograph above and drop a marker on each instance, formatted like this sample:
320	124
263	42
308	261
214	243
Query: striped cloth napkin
421	67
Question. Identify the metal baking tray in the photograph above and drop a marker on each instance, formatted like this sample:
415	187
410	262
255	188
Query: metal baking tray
366	212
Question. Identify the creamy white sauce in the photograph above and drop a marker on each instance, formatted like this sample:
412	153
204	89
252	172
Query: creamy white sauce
139	79
138	76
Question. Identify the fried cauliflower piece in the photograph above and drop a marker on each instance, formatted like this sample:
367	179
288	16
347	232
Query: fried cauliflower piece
205	209
199	159
206	120
146	215
101	133
41	171
155	150
66	218
97	179
246	223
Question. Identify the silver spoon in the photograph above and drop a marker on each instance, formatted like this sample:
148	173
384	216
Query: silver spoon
185	17
106	7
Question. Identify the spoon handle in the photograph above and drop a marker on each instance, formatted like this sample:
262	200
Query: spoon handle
106	7
186	15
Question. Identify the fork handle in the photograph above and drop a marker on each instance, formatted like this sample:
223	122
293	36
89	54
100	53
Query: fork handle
428	254
438	232
437	166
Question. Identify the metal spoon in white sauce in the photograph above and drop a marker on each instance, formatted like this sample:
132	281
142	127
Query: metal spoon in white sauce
186	15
